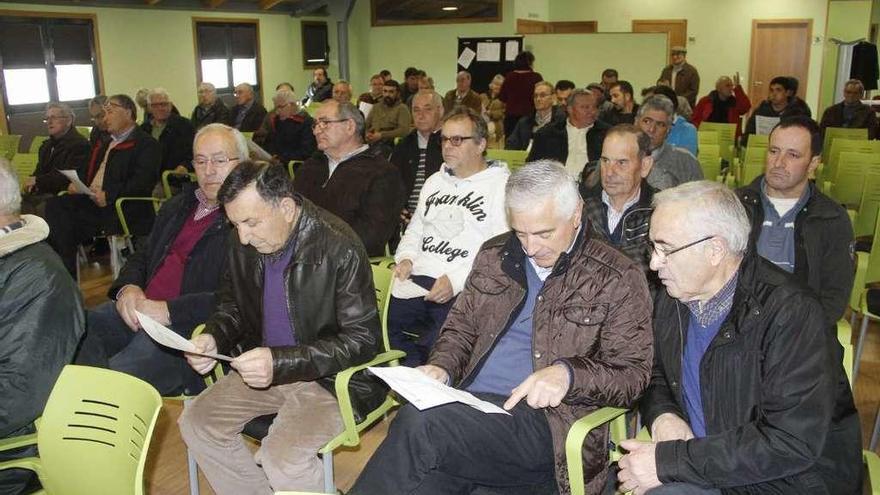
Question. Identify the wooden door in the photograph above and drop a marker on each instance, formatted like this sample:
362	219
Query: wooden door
676	31
780	47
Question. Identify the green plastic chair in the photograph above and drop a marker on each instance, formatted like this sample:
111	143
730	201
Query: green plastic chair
514	158
94	434
293	165
84	130
839	146
726	137
24	165
706	137
832	133
9	145
36	142
120	243
752	165
615	419
249	135
853	169
866	216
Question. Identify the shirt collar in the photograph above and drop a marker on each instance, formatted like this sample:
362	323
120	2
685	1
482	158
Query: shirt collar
717	307
118	138
631	201
542	272
333	163
204	207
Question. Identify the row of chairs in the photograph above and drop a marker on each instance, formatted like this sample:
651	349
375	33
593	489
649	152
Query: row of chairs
9	143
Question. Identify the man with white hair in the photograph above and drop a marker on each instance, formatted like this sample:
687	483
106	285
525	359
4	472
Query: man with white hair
41	322
851	112
210	109
342	91
462	94
172	277
174	133
748	393
247	115
66	149
552	324
289	135
672	165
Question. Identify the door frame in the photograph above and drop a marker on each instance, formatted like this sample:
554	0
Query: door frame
683	22
752	50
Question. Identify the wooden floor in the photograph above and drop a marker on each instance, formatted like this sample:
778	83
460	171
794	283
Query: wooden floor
166	471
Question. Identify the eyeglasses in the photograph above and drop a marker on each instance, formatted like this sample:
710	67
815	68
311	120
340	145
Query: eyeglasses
160	104
323	123
52	118
454	140
663	254
217	160
659	123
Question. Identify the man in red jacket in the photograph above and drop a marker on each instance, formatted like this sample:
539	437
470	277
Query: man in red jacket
727	104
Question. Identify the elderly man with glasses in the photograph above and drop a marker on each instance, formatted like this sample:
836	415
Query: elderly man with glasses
350	179
748	393
172	277
672	165
248	114
210	108
174	133
289	133
66	149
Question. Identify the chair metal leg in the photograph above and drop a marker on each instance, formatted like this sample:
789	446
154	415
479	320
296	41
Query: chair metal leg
329	484
875	435
192	467
863	333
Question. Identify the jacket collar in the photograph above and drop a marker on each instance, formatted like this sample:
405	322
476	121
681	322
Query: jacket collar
306	234
818	205
33	230
513	256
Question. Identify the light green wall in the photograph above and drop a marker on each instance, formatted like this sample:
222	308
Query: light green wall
722	30
150	47
847	20
533	10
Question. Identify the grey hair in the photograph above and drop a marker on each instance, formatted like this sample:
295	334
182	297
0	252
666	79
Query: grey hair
160	91
65	109
544	83
857	83
10	189
498	79
98	100
284	96
208	86
660	103
348	111
538	181
436	99
713	210
578	93
141	97
245	86
241	146
463	73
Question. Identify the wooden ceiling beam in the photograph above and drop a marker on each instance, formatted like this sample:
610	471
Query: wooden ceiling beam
213	4
152	2
268	4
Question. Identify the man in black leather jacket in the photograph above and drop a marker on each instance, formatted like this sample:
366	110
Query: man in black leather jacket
296	306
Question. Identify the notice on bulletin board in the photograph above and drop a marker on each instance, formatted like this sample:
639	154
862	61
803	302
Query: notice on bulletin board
466	57
488	52
511	50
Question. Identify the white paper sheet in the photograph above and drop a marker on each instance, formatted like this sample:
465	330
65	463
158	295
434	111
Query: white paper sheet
466	57
489	52
407	289
511	50
165	336
365	108
74	179
425	392
763	125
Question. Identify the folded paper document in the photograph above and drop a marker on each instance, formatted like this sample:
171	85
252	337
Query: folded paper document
425	392
78	184
165	336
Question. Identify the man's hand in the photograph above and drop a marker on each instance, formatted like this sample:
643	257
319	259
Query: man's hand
441	291
71	189
668	426
127	303
255	367
638	469
205	344
736	79
403	269
100	198
181	169
157	310
405	216
373	136
29	183
435	372
543	388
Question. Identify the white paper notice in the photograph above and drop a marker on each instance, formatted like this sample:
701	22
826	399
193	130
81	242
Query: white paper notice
466	57
763	125
365	108
425	392
511	50
165	336
407	289
488	52
78	184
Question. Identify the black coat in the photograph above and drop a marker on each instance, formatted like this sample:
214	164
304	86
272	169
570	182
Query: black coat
68	152
176	141
405	157
779	412
216	113
823	254
291	139
522	134
551	141
796	106
204	266
330	283
863	118
252	119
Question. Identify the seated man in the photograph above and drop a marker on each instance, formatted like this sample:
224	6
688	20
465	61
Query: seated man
563	88
780	103
248	113
672	165
576	141
342	91
462	95
851	112
210	109
126	166
624	107
619	208
794	225
388	119
172	277
553	324
310	313
682	134
374	95
290	135
174	133
351	180
459	208
727	103
320	89
41	322
748	394
66	149
545	113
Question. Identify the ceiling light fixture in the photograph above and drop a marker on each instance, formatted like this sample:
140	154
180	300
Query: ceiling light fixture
449	9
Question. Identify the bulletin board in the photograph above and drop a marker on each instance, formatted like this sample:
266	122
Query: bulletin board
486	57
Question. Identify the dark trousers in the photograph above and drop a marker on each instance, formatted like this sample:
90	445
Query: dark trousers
109	343
73	219
509	123
417	317
453	449
682	489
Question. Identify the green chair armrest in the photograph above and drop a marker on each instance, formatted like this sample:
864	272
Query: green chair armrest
119	202
574	443
29	463
18	442
344	377
873	464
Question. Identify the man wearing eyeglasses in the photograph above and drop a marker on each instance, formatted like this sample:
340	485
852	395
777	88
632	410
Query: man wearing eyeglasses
351	180
748	393
552	323
248	114
174	133
672	165
289	135
545	113
66	149
127	166
172	277
210	109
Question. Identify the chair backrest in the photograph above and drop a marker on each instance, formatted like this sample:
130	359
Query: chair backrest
853	168
840	145
383	275
9	145
95	432
759	140
866	218
249	135
711	165
36	142
574	442
24	165
706	137
843	133
84	130
873	271
726	136
514	158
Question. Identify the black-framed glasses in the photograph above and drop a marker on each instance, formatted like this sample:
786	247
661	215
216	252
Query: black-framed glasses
52	118
666	253
217	160
658	123
454	140
323	123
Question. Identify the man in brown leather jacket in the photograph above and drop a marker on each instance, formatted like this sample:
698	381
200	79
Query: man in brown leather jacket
296	306
552	324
